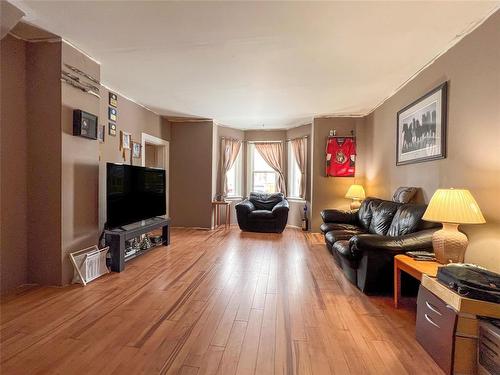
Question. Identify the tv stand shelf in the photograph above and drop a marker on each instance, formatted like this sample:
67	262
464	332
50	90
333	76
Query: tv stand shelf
116	238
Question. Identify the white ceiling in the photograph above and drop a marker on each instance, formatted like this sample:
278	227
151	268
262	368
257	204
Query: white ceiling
245	64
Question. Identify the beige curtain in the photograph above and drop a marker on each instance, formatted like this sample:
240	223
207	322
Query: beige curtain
299	147
272	153
229	152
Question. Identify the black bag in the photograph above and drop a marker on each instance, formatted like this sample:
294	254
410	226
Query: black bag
471	281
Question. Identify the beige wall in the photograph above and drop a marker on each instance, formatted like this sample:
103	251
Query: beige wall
80	167
14	164
472	69
328	192
191	164
44	162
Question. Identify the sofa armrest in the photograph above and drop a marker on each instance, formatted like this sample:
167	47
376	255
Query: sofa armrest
244	207
339	216
421	240
280	207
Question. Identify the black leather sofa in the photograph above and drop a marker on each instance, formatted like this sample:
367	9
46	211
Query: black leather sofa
364	242
263	213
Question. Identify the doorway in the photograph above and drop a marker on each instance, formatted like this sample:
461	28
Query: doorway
156	155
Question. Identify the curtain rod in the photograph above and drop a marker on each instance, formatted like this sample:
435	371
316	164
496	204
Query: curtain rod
284	140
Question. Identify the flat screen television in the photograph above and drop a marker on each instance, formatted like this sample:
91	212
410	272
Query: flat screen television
133	194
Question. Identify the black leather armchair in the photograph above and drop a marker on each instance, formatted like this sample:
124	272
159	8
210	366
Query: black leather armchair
263	213
364	242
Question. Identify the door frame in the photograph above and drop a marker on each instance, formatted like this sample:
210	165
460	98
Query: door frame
152	140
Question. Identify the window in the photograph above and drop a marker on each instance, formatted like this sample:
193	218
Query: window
263	178
234	177
293	174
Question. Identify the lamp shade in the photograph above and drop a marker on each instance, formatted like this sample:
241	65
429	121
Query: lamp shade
454	206
355	192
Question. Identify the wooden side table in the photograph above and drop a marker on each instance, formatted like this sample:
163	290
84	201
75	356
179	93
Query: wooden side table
216	206
415	268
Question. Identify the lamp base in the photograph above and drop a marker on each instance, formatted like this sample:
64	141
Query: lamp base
449	244
355	204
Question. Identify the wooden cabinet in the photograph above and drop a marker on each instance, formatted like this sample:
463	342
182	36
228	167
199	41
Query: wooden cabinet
448	326
435	331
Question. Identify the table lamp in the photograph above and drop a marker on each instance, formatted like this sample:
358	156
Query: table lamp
357	194
452	207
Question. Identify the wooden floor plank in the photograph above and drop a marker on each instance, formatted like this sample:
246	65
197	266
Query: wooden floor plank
213	302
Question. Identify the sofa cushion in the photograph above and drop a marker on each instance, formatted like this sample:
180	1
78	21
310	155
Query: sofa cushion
407	219
382	216
342	234
327	227
263	201
365	211
261	215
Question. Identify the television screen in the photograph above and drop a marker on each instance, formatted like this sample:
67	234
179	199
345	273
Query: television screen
134	194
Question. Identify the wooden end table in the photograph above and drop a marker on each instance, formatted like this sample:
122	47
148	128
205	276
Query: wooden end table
216	205
415	268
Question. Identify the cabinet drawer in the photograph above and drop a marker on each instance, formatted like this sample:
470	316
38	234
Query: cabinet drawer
435	328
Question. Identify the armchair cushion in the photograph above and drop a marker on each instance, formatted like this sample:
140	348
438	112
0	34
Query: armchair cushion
261	215
263	201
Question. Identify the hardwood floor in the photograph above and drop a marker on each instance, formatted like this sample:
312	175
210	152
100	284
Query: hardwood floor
219	302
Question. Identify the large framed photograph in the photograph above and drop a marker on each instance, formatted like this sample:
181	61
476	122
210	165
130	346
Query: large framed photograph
421	128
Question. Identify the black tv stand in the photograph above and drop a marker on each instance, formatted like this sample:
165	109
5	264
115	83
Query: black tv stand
115	238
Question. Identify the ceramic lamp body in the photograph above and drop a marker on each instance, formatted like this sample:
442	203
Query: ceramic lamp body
449	244
355	204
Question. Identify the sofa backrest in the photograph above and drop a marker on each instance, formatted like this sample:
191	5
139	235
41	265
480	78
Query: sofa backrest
389	218
407	219
365	211
382	216
263	201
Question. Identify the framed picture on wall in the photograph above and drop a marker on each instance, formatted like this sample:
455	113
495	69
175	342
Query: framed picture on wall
113	100
136	150
125	140
112	114
112	129
421	128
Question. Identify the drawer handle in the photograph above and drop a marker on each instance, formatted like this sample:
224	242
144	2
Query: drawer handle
432	308
430	321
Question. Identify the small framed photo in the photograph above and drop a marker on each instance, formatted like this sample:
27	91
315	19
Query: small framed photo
113	100
101	131
112	114
112	129
125	140
136	150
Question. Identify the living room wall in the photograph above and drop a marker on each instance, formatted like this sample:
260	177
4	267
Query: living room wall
472	69
14	164
191	176
329	192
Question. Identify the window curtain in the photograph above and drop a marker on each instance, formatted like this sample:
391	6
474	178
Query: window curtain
272	153
229	152
299	147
